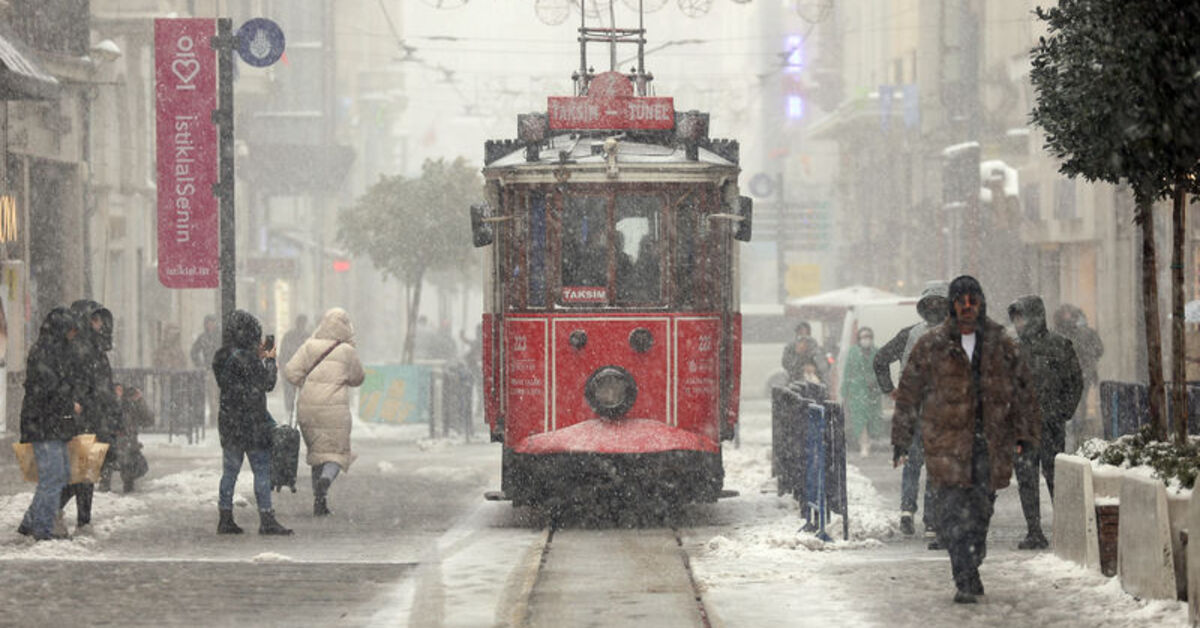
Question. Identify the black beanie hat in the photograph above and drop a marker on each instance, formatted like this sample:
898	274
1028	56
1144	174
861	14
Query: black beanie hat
966	284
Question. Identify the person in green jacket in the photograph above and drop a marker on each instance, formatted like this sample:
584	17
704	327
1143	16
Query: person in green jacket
861	395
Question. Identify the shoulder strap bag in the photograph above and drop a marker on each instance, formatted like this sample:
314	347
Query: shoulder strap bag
296	406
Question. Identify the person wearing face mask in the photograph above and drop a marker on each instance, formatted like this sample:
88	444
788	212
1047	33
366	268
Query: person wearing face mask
968	386
932	308
860	393
1059	381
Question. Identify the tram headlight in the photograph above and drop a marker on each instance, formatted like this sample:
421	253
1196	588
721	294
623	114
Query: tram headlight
610	391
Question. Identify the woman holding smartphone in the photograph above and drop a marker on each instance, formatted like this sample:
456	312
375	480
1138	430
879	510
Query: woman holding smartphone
245	370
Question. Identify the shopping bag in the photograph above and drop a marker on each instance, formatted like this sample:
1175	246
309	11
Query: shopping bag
86	456
26	460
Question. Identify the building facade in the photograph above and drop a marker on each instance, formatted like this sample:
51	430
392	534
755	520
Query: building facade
940	172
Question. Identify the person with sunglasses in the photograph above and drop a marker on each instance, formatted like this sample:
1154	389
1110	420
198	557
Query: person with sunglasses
972	392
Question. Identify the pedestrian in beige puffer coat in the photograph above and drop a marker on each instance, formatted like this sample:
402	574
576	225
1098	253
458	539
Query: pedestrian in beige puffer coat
324	368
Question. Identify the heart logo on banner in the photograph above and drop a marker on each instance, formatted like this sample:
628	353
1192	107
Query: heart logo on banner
185	69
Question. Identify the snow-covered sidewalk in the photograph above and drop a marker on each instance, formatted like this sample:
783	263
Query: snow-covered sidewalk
756	569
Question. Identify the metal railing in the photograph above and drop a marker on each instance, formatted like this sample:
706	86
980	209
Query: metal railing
1125	408
175	396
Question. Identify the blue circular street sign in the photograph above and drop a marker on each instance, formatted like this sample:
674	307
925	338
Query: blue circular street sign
260	42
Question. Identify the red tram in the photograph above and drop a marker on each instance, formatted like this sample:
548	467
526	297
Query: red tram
611	328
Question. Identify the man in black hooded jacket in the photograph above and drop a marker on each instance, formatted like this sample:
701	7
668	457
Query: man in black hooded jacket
1059	383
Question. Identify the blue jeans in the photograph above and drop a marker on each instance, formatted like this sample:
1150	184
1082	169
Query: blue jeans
53	469
260	465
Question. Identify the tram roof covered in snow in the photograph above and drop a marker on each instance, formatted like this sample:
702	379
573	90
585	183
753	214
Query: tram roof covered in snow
583	150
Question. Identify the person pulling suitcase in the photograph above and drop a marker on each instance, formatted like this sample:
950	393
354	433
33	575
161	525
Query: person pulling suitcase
324	368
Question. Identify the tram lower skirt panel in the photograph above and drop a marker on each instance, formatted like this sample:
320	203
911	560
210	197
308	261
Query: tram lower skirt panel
587	478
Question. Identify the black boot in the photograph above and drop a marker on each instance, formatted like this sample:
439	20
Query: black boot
83	504
964	597
226	524
105	484
1034	540
320	490
268	525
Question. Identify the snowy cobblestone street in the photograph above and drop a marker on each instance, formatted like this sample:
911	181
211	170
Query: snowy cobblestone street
412	543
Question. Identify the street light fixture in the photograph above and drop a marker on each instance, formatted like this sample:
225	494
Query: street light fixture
106	51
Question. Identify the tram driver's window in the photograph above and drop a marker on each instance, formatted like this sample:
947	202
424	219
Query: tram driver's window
585	241
686	256
638	243
537	250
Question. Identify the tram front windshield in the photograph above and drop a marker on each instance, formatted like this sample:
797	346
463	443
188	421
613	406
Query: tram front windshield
632	249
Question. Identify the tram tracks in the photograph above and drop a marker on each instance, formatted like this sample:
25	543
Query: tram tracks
611	576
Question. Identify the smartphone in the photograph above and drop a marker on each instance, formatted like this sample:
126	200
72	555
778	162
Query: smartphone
269	343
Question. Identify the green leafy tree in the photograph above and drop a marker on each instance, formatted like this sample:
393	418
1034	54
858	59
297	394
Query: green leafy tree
1118	98
409	227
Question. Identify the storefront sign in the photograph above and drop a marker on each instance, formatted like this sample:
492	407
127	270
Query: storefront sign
185	95
8	219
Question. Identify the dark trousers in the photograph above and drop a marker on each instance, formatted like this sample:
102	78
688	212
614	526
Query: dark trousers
83	501
1027	463
964	514
910	481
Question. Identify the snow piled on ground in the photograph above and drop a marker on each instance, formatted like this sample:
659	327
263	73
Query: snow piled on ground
195	488
762	556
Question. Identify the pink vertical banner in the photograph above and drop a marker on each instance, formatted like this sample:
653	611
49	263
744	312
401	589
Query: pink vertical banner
185	70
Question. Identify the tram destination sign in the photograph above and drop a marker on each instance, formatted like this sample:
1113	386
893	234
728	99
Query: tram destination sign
610	104
584	294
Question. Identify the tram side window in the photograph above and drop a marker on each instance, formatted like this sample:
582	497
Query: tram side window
687	254
638	247
585	241
537	250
